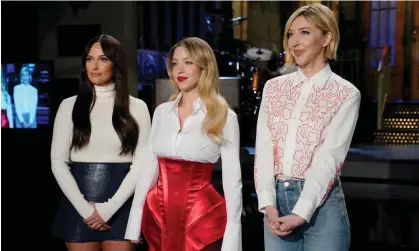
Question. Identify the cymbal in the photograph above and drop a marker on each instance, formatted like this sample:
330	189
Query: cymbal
259	53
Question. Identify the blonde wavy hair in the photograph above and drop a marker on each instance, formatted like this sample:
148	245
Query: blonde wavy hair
324	19
208	84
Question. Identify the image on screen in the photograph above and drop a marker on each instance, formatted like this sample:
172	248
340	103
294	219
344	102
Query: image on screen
25	88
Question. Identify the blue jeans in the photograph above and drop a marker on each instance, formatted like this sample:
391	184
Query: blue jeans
328	229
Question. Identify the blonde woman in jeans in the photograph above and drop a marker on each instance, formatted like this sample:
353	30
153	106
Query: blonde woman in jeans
304	130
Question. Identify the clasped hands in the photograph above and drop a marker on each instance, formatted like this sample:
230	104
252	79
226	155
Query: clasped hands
284	225
95	221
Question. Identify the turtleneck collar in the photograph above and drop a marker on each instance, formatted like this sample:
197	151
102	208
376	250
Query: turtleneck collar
105	91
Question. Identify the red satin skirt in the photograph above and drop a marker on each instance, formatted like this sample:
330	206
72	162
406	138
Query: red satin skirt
4	119
183	212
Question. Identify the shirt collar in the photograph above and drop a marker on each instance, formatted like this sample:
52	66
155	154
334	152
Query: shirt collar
197	104
105	91
318	79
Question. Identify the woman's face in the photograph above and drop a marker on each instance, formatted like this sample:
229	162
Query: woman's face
25	77
185	72
98	66
306	42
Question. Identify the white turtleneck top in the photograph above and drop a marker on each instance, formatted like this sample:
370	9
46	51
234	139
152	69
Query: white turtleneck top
104	146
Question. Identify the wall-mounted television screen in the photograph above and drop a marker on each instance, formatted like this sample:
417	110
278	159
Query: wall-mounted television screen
25	89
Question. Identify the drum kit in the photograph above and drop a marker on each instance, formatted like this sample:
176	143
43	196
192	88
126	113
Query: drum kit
252	65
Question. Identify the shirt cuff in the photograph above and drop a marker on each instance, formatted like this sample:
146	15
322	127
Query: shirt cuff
133	230
266	198
87	211
104	211
232	240
304	209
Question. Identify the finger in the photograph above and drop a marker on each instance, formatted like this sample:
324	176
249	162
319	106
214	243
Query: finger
97	225
271	222
274	225
95	218
274	219
90	221
285	227
94	223
89	218
283	233
271	229
136	242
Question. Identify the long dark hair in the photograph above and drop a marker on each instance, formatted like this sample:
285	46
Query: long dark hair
124	124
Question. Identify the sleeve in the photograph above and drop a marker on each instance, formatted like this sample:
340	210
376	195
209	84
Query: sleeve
60	154
34	106
232	184
264	161
107	209
18	102
328	160
146	177
10	113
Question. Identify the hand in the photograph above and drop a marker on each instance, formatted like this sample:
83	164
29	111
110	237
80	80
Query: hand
95	221
290	222
138	242
273	221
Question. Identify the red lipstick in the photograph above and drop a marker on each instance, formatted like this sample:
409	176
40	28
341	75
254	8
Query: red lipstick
181	78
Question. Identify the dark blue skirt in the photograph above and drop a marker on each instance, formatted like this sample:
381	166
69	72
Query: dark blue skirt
97	182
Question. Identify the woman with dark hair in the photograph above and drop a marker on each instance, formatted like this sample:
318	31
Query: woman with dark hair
98	142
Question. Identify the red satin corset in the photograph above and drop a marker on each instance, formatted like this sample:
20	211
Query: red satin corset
4	119
183	212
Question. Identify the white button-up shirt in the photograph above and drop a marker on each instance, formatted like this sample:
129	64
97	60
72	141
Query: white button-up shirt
26	101
304	131
192	144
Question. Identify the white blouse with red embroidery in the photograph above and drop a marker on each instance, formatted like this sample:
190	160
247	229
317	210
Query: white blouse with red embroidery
304	130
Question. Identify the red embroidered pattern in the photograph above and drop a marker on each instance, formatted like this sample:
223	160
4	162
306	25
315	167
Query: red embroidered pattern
255	172
322	104
280	100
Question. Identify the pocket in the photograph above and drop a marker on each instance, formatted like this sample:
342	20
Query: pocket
335	194
336	202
